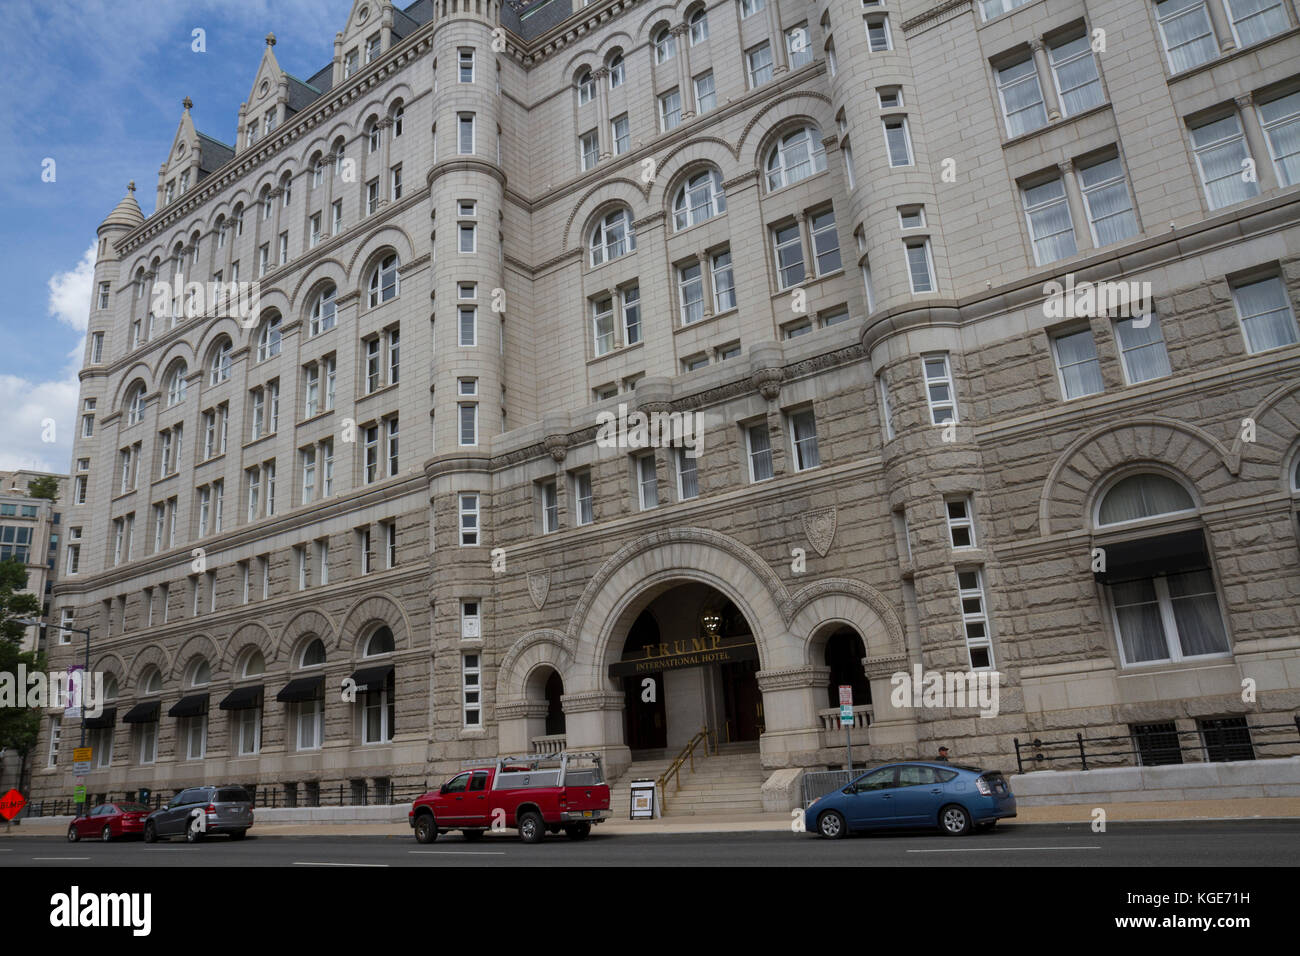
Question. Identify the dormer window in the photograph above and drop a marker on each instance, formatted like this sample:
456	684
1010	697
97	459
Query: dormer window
170	192
351	63
270	119
372	49
185	181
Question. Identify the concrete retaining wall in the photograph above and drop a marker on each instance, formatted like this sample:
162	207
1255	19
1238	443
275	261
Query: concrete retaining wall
396	813
1187	781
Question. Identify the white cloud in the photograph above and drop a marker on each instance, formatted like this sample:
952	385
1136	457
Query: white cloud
39	422
70	292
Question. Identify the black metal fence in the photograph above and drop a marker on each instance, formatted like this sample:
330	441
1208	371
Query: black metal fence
1214	740
343	793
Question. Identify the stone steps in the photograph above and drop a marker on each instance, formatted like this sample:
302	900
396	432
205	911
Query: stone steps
729	783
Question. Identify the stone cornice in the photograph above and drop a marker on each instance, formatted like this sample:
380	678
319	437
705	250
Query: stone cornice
939	13
793	678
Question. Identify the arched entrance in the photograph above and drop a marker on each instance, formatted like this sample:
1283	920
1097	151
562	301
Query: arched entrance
544	689
843	654
689	661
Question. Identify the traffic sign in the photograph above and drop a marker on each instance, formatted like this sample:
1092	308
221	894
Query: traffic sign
846	705
79	794
80	754
10	804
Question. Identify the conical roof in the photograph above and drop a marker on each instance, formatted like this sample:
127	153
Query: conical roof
126	213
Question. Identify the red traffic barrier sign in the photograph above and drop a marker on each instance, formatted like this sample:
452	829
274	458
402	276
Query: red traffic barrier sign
11	803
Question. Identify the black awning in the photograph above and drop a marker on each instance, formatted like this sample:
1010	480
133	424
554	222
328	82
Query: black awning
242	698
145	713
372	678
107	718
1146	557
192	706
302	688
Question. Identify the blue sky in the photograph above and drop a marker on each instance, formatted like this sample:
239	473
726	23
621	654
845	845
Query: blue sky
99	92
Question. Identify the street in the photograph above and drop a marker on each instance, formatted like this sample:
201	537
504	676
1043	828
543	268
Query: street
1249	843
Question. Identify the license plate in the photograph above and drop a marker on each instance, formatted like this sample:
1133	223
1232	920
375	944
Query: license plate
586	813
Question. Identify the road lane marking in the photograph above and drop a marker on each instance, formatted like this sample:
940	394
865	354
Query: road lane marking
297	863
470	852
60	858
1000	849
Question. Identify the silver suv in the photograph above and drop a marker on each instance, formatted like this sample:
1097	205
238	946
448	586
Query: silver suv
198	811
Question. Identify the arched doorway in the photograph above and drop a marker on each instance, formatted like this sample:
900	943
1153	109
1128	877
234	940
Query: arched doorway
843	654
546	727
689	662
554	709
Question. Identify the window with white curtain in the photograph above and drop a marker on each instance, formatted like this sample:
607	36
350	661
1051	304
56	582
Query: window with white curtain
759	448
1076	360
1280	119
1265	313
1256	20
1048	213
803	438
1141	348
1074	69
1140	496
1106	199
798	155
1187	33
1220	148
1021	97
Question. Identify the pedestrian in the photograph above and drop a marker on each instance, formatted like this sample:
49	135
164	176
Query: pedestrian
943	754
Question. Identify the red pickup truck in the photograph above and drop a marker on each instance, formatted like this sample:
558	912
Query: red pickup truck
532	794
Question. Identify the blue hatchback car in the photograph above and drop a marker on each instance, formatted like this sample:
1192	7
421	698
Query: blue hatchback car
954	798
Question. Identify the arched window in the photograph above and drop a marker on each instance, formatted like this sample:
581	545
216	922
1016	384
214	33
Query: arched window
1295	475
586	87
340	147
698	199
135	405
381	642
268	338
267	204
699	24
237	219
665	45
110	687
317	170
616	71
286	189
374	135
219	364
176	384
322	312
612	237
195	241
221	232
1143	496
151	682
797	156
397	115
254	664
383	281
200	673
313	655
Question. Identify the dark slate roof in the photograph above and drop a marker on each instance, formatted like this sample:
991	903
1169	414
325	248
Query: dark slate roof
300	93
403	24
529	19
324	79
213	154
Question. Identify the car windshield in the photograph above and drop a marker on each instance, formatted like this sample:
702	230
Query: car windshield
133	808
231	795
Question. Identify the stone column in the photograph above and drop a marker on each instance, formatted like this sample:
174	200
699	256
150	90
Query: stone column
1078	212
889	725
792	729
604	135
385	152
593	720
681	37
1045	79
1257	142
780	57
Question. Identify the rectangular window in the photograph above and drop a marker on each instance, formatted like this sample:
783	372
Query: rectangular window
391	451
920	269
798	46
724	282
97	347
1076	360
471	622
465	64
467	233
471	690
370	452
469	523
886	412
750	7
323	561
1226	738
1220	148
787	246
1050	227
825	242
688	482
372	196
589	149
602	325
465	134
372	365
395	182
583	511
759	451
394	355
670	110
647	481
1075	71
878	37
390	543
897	140
705	96
1169	616
336	219
620	134
690	293
468	412
939	392
961	522
1280	119
803	438
1106	199
308	474
758	64
363	547
284	248
1021	97
974	616
1265	313
1256	20
1141	348
56	736
468	326
631	299
548	495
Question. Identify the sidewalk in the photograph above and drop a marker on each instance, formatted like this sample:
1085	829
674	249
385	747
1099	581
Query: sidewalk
1241	809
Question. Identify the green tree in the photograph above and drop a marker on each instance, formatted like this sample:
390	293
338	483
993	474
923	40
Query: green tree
18	725
47	486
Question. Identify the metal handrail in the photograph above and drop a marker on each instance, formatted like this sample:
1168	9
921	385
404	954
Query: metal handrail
675	768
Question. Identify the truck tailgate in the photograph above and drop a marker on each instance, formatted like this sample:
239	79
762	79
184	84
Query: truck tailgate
592	797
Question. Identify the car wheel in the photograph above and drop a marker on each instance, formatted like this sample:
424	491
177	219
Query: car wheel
426	828
472	836
831	825
954	820
237	834
73	835
532	829
578	831
193	834
106	834
150	832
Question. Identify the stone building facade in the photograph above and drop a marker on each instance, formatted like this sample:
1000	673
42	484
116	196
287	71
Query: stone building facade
374	530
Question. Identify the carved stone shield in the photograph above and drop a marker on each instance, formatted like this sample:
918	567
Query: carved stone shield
539	585
819	526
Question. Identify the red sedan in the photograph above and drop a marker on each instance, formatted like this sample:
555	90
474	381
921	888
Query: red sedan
109	821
